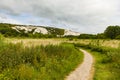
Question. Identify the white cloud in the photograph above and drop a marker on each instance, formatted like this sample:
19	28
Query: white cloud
6	19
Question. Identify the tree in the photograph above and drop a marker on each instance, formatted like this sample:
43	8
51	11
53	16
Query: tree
112	32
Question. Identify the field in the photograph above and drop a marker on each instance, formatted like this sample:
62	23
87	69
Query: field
37	62
52	59
35	42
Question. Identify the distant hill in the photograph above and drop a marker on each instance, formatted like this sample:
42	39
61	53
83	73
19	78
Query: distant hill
31	30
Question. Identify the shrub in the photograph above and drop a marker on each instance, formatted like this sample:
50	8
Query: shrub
117	37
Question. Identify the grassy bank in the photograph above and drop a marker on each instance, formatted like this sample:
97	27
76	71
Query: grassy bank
50	62
107	62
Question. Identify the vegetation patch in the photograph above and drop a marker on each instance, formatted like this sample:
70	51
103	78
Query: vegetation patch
50	62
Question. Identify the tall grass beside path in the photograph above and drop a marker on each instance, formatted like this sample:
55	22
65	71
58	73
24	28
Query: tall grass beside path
107	61
50	62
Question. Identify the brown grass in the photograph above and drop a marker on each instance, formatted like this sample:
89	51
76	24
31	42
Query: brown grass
34	42
106	43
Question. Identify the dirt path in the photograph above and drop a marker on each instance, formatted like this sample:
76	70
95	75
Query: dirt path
83	72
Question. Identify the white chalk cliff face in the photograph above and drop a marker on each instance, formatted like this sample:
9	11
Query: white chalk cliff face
69	32
30	29
42	30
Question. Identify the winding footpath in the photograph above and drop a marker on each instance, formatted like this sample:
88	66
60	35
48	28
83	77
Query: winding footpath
84	70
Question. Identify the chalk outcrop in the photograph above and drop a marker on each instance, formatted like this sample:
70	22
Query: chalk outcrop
69	32
42	30
32	29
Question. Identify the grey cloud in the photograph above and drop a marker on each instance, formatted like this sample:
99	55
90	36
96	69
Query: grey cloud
81	14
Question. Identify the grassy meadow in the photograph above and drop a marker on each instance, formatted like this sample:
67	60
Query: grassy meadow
107	58
52	59
39	62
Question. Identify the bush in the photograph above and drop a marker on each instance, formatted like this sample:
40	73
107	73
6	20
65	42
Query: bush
112	32
118	37
87	36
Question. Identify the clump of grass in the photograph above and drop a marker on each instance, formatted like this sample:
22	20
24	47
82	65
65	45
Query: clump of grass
50	62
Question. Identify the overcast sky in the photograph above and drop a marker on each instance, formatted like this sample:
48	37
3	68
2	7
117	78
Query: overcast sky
85	16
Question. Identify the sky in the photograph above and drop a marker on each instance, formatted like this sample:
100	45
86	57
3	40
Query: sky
84	16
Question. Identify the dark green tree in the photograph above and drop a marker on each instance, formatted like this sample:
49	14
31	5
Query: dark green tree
112	31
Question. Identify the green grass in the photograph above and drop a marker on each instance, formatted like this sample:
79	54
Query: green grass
51	62
107	61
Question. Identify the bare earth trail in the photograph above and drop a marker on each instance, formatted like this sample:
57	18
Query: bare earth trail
84	70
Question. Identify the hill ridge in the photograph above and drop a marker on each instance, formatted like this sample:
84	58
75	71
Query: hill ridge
38	29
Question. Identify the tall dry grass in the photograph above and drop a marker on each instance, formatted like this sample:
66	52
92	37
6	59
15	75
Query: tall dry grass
100	42
35	42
